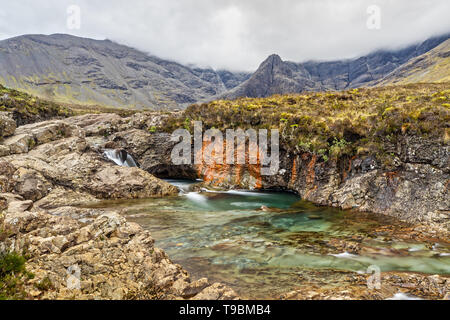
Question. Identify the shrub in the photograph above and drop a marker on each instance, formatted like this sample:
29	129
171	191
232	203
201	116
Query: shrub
342	123
12	276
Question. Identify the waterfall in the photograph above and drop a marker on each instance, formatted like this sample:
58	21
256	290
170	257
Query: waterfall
120	157
198	198
183	185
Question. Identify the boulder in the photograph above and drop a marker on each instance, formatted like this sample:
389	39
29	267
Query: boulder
7	125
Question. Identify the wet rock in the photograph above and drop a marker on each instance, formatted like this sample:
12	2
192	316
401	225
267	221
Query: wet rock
195	288
4	150
353	286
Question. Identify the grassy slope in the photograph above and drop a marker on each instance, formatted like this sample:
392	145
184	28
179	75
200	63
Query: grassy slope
359	121
433	66
27	108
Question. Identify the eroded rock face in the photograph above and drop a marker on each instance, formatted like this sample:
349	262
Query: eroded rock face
415	189
153	152
70	164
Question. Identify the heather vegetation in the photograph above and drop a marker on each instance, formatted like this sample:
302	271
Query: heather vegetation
12	276
331	124
13	273
26	108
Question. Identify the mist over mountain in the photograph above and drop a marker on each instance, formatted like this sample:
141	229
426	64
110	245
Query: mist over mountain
71	69
432	66
79	70
275	76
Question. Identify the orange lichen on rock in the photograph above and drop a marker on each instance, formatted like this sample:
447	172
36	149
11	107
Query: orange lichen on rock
311	173
255	169
308	193
293	172
222	174
346	172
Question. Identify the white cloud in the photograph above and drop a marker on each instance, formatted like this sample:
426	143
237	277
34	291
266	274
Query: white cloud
235	34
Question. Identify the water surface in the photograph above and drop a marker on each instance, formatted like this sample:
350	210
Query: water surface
226	237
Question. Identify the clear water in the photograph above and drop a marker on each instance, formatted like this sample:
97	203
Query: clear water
226	237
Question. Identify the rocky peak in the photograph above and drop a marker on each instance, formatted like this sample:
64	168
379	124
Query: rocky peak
272	60
275	76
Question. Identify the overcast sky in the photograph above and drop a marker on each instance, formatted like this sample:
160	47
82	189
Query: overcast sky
235	34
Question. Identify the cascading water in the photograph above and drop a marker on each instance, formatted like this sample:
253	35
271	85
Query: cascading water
183	185
120	157
185	190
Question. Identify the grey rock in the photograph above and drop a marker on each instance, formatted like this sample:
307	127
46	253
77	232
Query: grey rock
7	125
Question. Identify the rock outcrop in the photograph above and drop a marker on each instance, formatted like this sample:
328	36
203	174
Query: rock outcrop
415	190
47	170
110	258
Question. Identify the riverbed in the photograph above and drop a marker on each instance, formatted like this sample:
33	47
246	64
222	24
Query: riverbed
264	244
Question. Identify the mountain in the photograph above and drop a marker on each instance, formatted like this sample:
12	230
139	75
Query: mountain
433	66
275	76
76	70
66	68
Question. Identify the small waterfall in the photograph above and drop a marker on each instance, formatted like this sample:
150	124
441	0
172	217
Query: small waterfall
120	157
403	296
197	198
183	185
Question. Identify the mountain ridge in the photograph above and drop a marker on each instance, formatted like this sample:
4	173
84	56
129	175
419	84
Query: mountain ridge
64	67
71	69
275	76
432	66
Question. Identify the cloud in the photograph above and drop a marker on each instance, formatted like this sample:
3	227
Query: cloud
236	34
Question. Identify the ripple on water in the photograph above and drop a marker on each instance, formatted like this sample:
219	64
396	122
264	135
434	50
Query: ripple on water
225	237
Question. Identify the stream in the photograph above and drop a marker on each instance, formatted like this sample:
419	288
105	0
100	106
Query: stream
227	237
